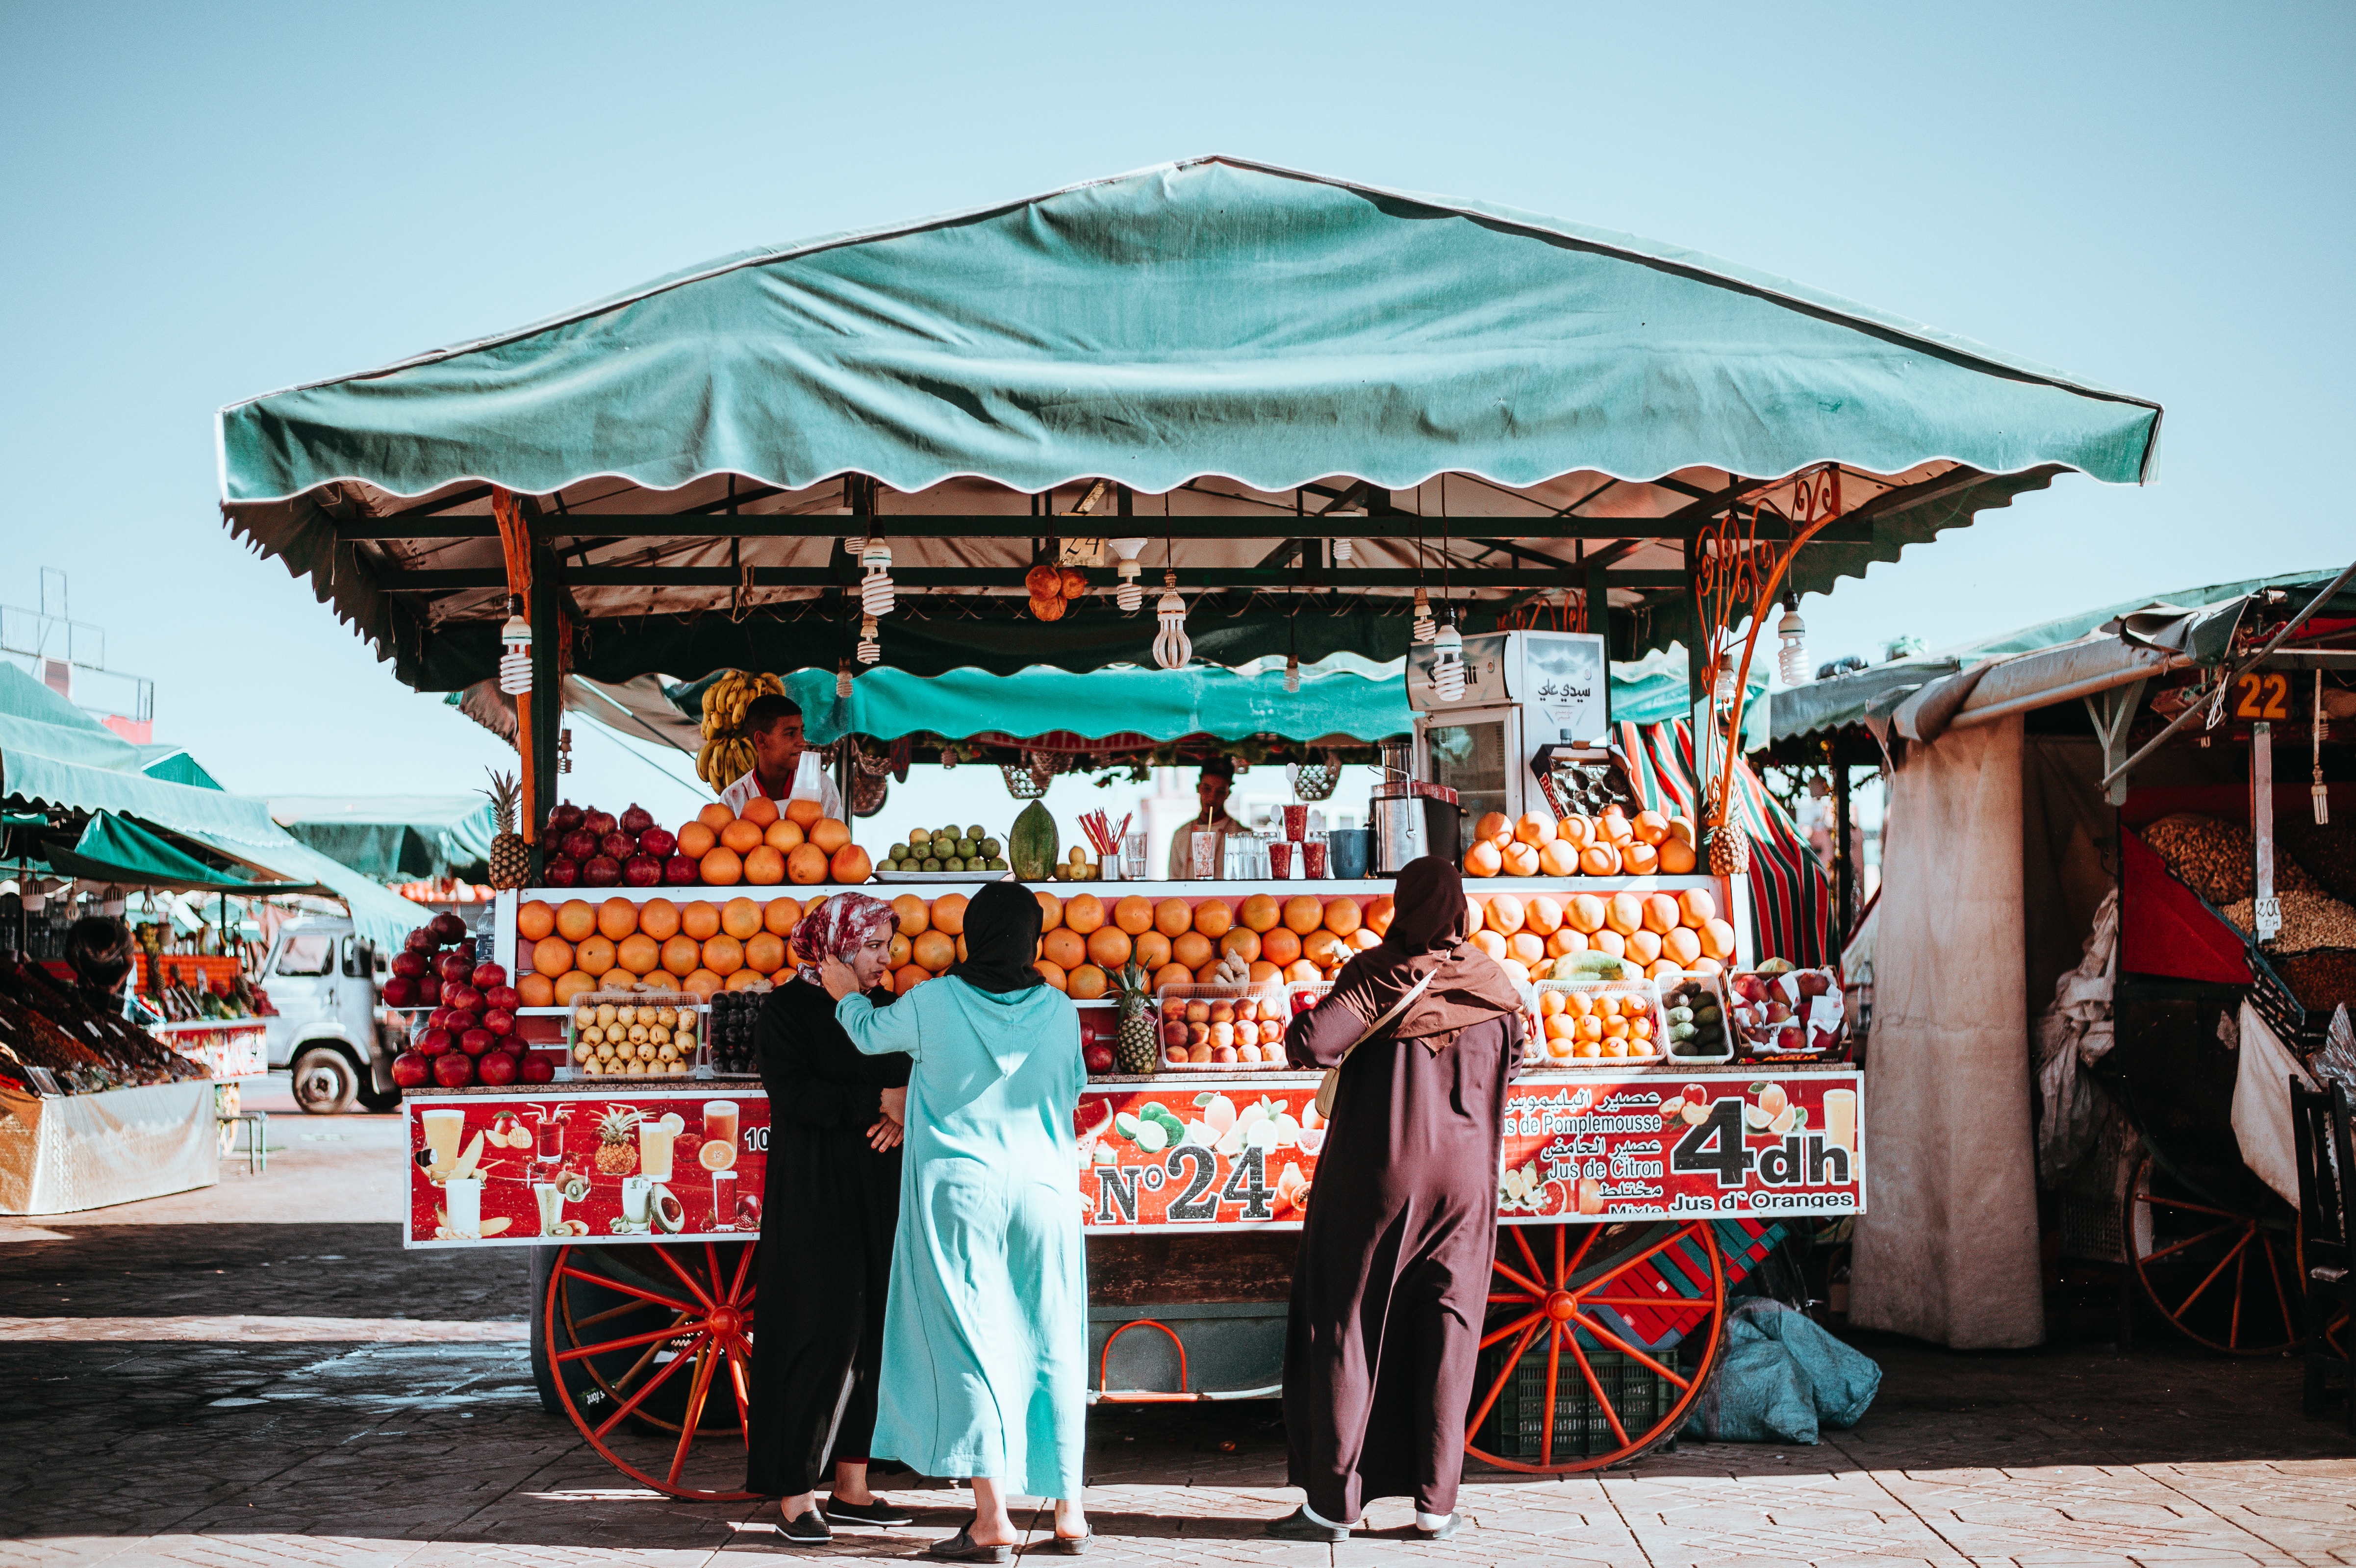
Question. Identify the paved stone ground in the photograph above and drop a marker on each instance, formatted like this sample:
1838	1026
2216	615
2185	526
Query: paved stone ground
384	1428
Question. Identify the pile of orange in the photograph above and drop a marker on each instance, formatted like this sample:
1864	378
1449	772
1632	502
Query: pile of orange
1086	939
1666	933
767	846
699	946
1611	844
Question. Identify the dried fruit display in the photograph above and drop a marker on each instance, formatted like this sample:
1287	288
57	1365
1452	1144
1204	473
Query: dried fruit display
2217	859
2309	920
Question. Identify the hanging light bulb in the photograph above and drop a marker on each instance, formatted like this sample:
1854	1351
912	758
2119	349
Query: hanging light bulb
1293	674
1172	648
515	662
1792	657
1129	595
875	596
1448	664
1423	627
1343	551
564	751
1724	691
869	650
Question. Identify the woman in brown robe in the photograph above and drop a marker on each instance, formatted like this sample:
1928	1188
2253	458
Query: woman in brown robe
1392	1280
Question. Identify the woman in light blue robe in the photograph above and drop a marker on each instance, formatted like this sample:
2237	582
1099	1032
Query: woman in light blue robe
986	1337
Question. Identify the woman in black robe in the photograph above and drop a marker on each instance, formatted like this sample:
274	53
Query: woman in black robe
828	1209
1392	1280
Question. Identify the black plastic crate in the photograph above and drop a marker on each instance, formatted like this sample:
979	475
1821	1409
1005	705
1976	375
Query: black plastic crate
1515	1427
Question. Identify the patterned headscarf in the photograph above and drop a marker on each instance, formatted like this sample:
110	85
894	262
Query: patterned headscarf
837	929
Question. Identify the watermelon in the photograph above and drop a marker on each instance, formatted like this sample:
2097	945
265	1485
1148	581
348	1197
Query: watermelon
1031	844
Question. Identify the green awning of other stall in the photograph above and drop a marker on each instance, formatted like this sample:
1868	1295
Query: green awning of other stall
393	838
116	849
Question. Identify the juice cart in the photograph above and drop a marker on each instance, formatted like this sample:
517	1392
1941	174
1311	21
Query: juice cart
1158	420
1633	1197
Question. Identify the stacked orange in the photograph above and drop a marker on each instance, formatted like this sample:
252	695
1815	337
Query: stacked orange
621	945
1611	844
765	846
1665	933
1087	941
1600	1024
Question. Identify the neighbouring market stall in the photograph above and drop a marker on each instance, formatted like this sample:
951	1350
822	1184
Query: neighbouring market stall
2093	975
991	442
101	1108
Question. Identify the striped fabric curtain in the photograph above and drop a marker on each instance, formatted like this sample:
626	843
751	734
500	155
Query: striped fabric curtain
1791	896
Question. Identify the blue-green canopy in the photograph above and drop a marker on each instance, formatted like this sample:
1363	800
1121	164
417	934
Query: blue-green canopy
1212	316
1157	704
1241	346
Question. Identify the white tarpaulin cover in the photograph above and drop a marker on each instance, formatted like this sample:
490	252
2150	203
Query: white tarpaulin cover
2261	1114
1948	1251
63	1153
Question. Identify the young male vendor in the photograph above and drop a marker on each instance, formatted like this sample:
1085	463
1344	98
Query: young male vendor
1211	791
775	726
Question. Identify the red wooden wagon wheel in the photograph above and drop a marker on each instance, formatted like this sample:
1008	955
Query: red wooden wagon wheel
1568	1305
623	1323
2225	1279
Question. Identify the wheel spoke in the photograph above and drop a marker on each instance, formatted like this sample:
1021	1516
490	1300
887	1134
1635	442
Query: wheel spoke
1554	1374
1515	1326
2273	1273
684	1277
1595	1387
1519	1298
2150	1258
2177	1315
1658	1304
1522	1240
1623	1265
1530	1285
700	1387
632	1404
1558	1257
737	1293
736	1386
595	1318
583	1352
604	1282
2241	1276
1585	1242
2190	1207
1625	1348
1504	1373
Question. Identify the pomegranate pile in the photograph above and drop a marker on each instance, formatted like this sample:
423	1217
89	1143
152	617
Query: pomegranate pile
463	1026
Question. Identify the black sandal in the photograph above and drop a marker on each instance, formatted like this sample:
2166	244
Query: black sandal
1069	1546
960	1548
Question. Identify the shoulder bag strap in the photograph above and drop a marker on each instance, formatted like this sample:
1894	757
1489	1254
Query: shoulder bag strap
1332	1079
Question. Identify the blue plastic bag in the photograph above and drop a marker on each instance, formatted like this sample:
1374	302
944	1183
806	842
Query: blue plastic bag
1778	1377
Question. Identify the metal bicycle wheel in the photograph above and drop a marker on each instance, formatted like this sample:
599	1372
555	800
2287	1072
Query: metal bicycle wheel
2223	1278
622	1323
1571	1305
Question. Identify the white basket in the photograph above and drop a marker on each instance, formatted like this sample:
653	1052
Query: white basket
694	1064
1645	991
1264	997
1710	988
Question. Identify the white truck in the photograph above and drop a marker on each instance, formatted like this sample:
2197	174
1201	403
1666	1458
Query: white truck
329	1032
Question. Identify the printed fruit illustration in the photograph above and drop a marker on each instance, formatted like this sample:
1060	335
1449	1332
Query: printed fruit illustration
617	1149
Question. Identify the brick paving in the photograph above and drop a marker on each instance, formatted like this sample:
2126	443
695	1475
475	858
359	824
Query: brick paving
386	1418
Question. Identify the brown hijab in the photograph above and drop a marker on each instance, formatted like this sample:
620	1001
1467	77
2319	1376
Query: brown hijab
1430	933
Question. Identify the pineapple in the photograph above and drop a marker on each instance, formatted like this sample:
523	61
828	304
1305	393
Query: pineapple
510	857
617	1150
1730	850
1137	1048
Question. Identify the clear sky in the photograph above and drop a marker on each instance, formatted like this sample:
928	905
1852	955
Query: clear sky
206	202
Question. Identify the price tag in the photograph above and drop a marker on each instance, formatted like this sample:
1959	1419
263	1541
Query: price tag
1079	552
2268	912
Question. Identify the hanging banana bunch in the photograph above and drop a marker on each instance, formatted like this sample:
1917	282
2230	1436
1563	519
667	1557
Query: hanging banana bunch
727	754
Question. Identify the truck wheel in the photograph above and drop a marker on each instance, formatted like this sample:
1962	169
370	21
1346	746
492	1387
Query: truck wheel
371	1101
325	1081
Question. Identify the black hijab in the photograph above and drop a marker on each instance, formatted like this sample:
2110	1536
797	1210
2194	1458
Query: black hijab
1430	934
1001	940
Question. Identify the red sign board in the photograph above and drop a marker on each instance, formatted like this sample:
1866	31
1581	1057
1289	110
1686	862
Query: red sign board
546	1170
1731	1141
1236	1156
